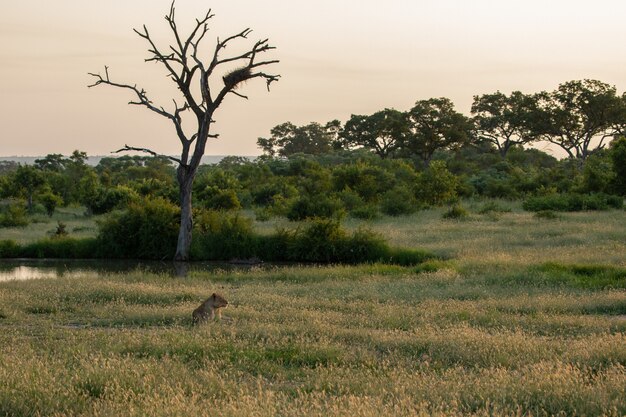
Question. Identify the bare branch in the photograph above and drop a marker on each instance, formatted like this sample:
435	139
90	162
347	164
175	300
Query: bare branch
127	148
238	94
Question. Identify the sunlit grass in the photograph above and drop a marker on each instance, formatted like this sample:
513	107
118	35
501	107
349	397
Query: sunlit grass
527	318
42	226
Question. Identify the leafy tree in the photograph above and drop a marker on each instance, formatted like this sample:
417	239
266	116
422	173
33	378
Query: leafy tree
184	65
436	185
618	156
504	120
598	174
54	162
50	201
435	125
64	173
288	139
382	133
28	181
7	167
579	116
367	180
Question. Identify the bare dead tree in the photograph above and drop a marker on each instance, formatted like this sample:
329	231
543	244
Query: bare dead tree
186	68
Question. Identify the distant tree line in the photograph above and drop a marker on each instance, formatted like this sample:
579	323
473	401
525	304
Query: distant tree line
387	163
580	117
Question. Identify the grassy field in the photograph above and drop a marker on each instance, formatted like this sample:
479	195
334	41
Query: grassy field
41	226
527	317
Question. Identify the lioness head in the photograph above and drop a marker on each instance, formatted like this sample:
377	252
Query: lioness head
218	301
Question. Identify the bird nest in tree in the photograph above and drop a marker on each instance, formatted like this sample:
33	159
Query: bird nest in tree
237	76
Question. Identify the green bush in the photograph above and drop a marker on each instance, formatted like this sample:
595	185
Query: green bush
9	249
223	236
573	202
324	241
222	200
314	207
456	212
618	157
547	215
398	201
365	212
14	215
436	185
147	229
62	248
493	207
50	201
105	200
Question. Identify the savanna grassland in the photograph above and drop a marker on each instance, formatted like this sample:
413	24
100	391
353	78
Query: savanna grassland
525	316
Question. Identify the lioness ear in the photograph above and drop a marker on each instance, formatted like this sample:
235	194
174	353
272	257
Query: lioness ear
214	296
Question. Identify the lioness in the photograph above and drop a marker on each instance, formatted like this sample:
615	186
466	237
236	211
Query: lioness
209	309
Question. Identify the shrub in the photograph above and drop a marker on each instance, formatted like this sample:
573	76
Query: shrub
118	197
598	175
618	157
397	201
50	201
547	215
223	236
436	185
9	249
62	247
365	212
456	212
493	207
573	202
314	207
145	230
13	215
61	229
222	200
324	241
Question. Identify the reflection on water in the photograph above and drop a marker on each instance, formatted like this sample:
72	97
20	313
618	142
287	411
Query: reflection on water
25	269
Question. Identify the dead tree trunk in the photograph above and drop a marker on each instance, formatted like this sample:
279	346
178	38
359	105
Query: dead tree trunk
185	182
184	65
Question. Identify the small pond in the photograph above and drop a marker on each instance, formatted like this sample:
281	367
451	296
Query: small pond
25	269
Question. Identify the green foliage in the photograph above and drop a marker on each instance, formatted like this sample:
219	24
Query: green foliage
493	207
547	215
436	185
573	202
288	139
618	157
223	236
598	175
573	275
325	241
365	212
434	125
456	212
398	201
221	200
217	189
382	132
319	206
62	247
61	230
9	249
367	180
108	199
147	229
13	215
50	201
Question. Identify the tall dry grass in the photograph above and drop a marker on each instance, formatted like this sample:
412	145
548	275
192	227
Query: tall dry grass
493	331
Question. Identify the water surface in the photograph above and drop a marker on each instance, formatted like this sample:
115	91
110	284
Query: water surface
25	269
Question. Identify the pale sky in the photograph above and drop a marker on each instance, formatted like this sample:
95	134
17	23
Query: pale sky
338	58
